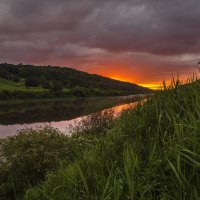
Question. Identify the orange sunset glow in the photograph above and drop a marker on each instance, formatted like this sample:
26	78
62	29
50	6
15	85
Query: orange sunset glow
153	86
121	40
151	78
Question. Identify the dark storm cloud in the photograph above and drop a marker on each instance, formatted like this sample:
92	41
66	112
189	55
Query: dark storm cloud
158	27
99	32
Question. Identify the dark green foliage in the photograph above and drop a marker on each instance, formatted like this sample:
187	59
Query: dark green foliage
5	74
7	94
151	153
46	85
16	79
55	79
31	82
57	87
26	158
80	91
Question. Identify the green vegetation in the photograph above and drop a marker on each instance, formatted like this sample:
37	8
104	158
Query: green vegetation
26	158
151	152
28	81
7	85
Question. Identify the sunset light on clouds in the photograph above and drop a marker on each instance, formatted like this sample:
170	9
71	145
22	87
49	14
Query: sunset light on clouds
138	41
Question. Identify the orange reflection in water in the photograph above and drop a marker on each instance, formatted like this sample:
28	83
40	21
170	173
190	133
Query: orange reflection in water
118	110
65	126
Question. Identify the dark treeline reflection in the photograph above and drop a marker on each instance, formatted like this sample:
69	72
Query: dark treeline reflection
56	110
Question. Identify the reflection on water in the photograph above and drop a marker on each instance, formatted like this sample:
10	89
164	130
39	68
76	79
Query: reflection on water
65	117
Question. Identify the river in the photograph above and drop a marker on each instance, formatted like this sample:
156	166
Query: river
60	114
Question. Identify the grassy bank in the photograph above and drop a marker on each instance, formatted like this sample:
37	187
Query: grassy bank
151	152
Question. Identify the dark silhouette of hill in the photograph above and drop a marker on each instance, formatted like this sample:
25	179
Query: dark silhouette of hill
62	80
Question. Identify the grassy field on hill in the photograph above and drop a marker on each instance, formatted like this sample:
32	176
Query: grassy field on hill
17	86
39	82
149	153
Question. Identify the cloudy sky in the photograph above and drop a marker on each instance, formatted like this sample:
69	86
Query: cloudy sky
143	41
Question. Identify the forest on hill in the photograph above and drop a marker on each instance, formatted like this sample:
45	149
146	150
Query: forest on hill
29	81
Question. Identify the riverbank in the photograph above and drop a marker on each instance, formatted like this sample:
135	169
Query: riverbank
62	117
28	112
151	152
24	101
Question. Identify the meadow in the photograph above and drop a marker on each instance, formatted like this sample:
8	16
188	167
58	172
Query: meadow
10	90
151	152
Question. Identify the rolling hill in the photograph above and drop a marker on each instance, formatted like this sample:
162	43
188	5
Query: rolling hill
29	81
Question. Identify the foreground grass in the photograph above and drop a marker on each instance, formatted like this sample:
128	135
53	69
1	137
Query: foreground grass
27	157
152	152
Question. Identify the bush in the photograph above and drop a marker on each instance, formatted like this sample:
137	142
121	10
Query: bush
25	159
152	153
16	79
4	74
46	85
31	82
57	87
80	91
4	94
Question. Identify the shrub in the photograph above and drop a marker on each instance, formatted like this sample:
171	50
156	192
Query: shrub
57	87
4	94
31	82
46	85
80	91
152	153
27	157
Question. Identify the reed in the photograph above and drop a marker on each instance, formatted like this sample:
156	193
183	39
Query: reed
152	152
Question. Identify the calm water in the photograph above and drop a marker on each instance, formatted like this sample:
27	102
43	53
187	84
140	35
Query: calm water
60	114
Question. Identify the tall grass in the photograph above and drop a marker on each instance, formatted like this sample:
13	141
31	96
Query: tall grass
152	152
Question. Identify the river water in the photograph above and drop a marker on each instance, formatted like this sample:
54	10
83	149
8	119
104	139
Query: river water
60	114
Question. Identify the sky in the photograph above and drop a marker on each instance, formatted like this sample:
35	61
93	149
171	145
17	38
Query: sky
140	41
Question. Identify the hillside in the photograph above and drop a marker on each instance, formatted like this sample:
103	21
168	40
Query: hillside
28	81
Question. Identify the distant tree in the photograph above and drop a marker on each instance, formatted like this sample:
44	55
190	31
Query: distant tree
46	85
57	87
4	74
31	82
16	79
80	91
13	69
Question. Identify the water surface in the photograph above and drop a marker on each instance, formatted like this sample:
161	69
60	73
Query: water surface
60	114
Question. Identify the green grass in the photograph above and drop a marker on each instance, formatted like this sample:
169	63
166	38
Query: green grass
17	86
15	91
151	152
